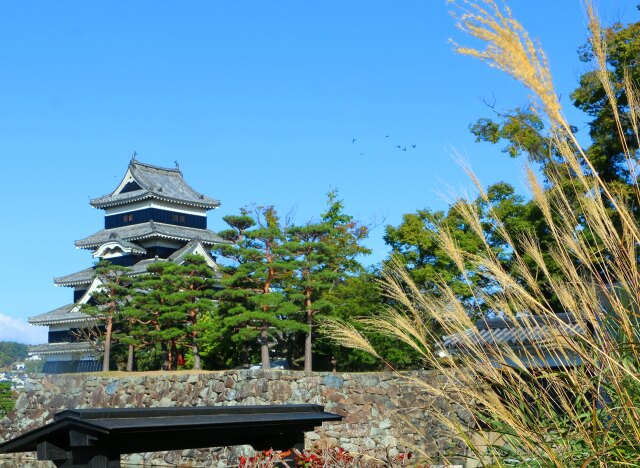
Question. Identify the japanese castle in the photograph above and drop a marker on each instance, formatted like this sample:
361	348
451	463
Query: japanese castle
152	215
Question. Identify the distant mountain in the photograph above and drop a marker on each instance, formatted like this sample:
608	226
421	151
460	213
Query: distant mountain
11	352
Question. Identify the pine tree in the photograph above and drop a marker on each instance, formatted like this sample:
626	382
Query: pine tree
167	304
149	314
313	275
324	254
253	303
194	287
346	236
108	302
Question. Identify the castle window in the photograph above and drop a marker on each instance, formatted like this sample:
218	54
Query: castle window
176	218
127	218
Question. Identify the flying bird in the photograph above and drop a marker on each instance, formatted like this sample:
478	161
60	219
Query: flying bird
413	146
353	141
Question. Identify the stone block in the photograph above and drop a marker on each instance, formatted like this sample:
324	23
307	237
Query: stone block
278	390
312	436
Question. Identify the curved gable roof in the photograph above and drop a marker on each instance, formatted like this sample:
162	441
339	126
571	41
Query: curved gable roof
154	182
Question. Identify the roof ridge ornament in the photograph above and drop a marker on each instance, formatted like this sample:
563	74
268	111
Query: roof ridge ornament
133	156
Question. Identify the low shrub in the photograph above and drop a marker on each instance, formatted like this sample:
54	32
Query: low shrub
332	457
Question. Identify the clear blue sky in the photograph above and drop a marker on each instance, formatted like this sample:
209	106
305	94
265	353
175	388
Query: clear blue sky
257	101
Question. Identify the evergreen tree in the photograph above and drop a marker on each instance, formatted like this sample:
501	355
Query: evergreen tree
345	235
147	310
324	254
252	302
167	305
313	276
108	302
193	285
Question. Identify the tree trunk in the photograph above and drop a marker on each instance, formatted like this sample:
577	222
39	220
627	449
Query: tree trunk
173	355
165	356
196	357
130	359
194	341
308	357
245	357
264	348
107	345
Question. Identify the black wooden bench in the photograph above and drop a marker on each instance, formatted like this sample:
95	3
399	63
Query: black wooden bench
97	437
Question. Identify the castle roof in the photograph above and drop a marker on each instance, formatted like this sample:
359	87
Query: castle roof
191	248
143	181
69	313
135	232
87	275
80	277
61	348
499	331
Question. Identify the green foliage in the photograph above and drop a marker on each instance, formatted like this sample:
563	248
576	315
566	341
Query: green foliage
345	235
107	304
7	399
166	307
623	56
11	352
277	283
323	255
253	304
359	297
521	129
416	240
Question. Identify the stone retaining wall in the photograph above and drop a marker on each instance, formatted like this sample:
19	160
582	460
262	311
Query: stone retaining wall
383	414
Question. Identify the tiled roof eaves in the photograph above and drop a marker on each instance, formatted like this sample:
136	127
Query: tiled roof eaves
77	282
69	313
509	335
44	321
80	277
60	348
152	229
105	202
496	323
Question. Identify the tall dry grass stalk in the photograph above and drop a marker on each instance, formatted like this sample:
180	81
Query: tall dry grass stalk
585	409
